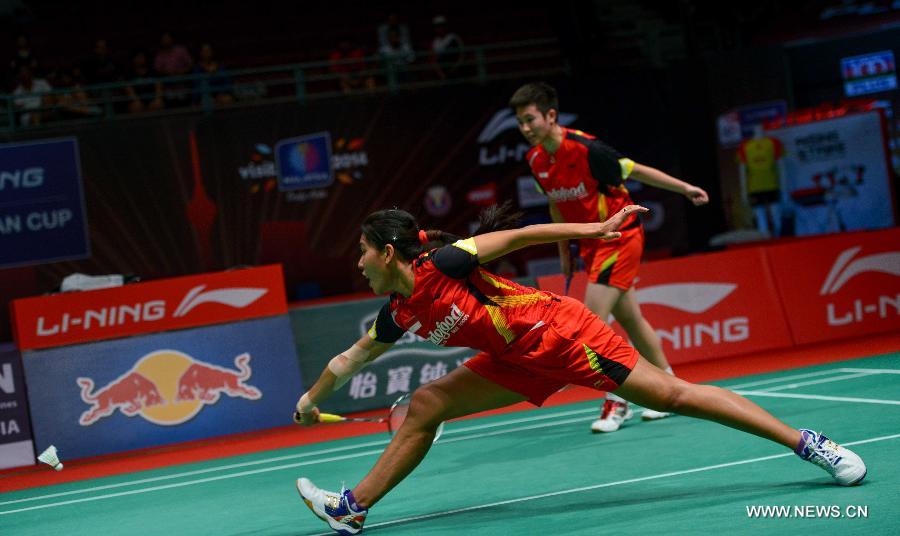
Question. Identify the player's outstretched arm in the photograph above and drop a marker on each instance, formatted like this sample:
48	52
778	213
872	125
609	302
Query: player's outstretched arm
491	246
340	369
659	179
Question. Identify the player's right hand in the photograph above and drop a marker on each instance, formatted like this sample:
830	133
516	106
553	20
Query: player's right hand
307	419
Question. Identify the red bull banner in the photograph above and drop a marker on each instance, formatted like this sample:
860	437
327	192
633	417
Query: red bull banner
157	389
841	285
705	306
169	304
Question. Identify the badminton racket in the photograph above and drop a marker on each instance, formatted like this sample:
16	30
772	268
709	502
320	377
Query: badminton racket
394	419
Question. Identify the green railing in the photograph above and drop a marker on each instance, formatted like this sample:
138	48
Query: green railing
301	82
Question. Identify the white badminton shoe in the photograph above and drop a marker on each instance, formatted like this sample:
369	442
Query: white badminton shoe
613	415
339	510
653	415
843	464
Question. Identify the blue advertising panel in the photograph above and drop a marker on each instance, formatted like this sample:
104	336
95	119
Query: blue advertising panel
304	162
16	447
157	389
42	215
869	73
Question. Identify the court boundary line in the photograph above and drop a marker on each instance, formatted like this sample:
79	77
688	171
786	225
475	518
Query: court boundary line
820	397
603	485
262	470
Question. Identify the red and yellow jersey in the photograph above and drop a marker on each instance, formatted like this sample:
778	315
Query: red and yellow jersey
761	155
455	302
584	178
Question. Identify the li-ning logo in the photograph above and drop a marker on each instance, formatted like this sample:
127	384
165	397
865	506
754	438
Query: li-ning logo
845	269
696	298
448	326
233	297
147	311
568	194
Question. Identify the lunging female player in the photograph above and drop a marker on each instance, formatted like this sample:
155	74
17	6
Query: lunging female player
532	344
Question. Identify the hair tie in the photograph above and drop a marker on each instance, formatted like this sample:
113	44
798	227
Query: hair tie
423	237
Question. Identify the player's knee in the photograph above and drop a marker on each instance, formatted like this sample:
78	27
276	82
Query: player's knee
676	398
426	407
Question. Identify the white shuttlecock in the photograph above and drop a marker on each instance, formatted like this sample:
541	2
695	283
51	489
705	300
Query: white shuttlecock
50	457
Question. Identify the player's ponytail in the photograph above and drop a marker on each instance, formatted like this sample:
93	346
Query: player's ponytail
399	228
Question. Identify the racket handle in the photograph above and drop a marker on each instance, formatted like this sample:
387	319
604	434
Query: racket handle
330	417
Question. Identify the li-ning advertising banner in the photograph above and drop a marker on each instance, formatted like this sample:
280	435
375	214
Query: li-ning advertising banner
16	446
701	311
42	214
168	304
840	286
323	331
137	392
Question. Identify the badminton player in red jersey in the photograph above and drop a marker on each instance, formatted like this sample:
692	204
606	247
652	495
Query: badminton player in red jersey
582	178
532	343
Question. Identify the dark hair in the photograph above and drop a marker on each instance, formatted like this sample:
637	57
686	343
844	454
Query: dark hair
540	94
399	228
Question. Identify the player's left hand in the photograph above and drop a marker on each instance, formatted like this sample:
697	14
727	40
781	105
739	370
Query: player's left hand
698	196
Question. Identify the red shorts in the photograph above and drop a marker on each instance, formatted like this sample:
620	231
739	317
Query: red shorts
573	347
614	263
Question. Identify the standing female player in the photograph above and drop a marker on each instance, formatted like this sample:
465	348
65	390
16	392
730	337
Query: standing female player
532	344
582	179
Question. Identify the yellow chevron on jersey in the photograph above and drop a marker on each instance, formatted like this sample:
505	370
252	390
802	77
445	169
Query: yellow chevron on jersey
593	359
467	245
497	284
627	166
518	301
500	324
609	261
373	331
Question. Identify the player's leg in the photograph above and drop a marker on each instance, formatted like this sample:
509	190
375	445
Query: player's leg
602	299
461	392
650	387
643	337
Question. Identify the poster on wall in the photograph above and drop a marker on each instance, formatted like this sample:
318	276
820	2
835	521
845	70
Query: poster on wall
836	176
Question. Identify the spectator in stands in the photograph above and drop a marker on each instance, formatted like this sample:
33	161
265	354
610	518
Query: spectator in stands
75	102
31	98
100	67
218	83
347	61
397	56
144	90
174	60
393	23
446	50
23	55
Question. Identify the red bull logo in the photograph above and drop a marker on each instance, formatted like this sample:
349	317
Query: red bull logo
167	387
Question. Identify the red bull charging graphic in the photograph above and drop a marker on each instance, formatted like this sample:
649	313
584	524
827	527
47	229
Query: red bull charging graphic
167	387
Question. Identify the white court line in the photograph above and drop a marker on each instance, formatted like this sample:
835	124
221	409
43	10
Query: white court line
814	382
252	472
820	397
856	371
295	456
873	371
781	379
604	485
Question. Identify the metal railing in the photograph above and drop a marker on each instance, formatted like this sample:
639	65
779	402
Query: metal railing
300	83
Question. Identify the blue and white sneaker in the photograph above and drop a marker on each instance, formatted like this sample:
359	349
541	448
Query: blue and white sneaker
843	464
339	510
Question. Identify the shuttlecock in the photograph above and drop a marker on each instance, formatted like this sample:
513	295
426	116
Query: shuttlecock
50	458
